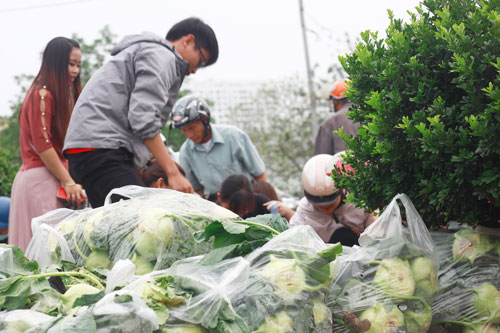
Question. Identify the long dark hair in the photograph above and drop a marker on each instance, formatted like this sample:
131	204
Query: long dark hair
266	189
237	192
54	74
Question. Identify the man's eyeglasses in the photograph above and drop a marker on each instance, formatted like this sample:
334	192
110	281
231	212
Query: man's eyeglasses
203	62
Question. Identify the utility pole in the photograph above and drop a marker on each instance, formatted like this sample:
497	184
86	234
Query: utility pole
312	96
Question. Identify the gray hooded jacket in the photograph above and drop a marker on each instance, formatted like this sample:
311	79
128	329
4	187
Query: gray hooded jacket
129	99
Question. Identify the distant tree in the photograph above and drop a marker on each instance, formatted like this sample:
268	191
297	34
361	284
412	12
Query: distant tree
280	128
8	171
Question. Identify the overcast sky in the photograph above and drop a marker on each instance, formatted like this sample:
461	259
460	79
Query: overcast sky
258	39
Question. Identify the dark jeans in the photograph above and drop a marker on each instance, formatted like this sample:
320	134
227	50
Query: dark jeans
345	236
102	170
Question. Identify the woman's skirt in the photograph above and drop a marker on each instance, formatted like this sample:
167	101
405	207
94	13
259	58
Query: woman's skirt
34	193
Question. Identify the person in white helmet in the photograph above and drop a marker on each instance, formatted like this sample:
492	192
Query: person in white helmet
323	206
326	141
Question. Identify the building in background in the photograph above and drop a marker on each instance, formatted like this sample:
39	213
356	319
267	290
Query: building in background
227	97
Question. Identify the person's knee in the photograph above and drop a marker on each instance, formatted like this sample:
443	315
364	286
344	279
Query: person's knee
345	236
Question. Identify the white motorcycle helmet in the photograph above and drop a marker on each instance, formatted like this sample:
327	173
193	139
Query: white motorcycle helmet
319	188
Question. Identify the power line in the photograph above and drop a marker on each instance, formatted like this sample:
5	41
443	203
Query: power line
49	5
319	24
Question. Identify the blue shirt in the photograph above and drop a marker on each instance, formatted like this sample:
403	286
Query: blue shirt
232	152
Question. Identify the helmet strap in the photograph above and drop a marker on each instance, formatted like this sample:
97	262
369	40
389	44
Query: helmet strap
207	128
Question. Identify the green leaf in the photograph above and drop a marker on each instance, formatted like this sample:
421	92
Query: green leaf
275	221
82	323
21	265
224	239
15	292
219	254
233	227
123	299
331	252
88	299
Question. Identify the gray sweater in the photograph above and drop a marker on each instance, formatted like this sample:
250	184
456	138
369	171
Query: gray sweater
129	99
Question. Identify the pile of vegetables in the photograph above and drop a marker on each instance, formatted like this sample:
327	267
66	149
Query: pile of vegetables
469	280
153	230
385	286
224	274
280	287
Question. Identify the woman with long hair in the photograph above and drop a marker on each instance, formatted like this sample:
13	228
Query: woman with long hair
236	194
43	119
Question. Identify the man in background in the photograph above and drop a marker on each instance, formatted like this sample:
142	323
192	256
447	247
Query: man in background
328	142
213	152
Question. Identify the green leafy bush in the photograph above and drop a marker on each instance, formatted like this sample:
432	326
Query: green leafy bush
428	98
8	170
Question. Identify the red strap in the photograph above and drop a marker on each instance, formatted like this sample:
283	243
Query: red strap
78	150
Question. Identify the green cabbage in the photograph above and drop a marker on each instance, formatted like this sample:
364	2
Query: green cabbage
486	301
97	259
286	275
279	323
470	245
382	321
142	265
394	276
425	276
320	311
418	320
77	291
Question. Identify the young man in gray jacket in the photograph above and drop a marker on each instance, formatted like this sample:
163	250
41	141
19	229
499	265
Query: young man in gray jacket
116	122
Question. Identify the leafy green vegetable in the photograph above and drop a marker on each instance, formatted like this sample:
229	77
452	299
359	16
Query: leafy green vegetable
97	259
77	291
395	277
81	323
470	245
287	276
486	301
238	238
425	276
88	299
418	317
279	323
21	265
382	320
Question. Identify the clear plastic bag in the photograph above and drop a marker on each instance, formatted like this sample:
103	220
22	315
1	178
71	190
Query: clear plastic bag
390	223
280	287
22	321
468	278
124	311
6	262
153	230
389	282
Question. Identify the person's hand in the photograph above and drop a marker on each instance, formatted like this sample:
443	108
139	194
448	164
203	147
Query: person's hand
180	183
75	194
283	209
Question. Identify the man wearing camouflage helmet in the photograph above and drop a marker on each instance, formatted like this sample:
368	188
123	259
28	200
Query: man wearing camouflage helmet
213	152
